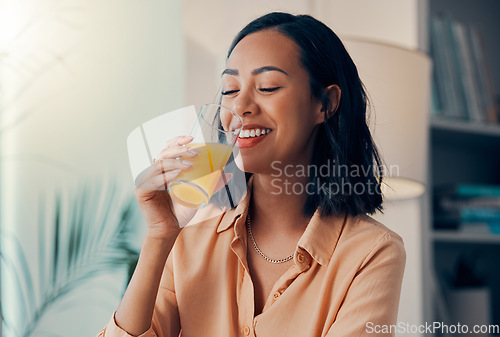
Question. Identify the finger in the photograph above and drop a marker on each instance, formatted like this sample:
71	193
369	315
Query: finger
159	182
162	166
165	165
180	140
175	151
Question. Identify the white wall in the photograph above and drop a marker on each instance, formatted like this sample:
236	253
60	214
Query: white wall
76	77
85	74
209	27
389	21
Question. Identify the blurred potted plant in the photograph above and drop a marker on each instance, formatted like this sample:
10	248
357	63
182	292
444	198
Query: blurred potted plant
89	233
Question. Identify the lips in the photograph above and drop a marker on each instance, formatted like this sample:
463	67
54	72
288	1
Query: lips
253	132
251	141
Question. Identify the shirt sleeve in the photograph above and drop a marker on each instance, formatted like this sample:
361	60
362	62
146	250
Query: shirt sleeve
113	330
370	306
166	320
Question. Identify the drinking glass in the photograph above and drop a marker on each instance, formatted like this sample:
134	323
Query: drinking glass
214	135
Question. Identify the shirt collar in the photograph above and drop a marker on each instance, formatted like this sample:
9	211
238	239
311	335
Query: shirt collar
321	236
319	239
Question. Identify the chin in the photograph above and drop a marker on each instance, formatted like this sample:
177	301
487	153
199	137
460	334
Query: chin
239	162
248	166
243	165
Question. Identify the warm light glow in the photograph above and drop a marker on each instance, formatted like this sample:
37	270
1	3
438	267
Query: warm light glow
401	188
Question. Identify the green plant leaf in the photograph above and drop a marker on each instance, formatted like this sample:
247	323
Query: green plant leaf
87	234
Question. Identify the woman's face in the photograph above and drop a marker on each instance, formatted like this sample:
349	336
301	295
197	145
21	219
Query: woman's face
266	84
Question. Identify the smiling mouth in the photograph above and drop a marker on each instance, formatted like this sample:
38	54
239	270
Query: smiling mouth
251	137
253	133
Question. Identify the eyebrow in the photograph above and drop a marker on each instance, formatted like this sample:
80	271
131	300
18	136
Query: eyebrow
257	71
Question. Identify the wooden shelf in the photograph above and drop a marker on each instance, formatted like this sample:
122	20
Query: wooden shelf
462	237
463	151
462	127
467	133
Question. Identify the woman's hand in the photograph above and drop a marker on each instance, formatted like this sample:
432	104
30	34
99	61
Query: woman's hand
162	216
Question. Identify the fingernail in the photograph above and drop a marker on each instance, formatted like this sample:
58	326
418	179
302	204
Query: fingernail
175	171
194	151
186	162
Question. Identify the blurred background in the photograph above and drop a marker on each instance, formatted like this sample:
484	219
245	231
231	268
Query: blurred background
76	77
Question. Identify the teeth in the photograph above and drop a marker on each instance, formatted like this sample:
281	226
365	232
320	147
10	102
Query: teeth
254	133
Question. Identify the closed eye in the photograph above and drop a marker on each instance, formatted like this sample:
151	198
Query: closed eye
228	92
269	89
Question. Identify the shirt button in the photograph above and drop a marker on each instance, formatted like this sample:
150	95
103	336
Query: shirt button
300	258
246	330
276	295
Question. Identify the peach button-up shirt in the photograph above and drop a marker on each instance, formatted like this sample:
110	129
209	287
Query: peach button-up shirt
345	281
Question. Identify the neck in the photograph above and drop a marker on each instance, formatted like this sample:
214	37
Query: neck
278	200
275	203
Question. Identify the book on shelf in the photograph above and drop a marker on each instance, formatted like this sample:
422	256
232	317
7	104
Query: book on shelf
470	223
471	214
467	207
471	219
447	90
462	86
465	71
473	227
482	75
450	203
464	190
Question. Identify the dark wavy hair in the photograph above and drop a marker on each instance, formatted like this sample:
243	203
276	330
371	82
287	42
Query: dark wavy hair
344	139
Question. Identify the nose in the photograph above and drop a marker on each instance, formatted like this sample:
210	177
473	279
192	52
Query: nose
244	104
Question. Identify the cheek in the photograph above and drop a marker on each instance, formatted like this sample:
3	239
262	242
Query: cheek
298	128
298	108
293	132
229	121
299	119
226	102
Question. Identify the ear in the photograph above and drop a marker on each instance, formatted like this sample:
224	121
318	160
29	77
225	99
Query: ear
331	100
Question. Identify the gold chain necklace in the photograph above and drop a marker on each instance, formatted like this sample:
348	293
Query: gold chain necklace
249	229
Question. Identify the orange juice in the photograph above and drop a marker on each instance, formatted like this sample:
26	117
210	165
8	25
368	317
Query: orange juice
194	187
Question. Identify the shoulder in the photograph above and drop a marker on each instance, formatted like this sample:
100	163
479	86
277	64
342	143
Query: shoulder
368	237
365	228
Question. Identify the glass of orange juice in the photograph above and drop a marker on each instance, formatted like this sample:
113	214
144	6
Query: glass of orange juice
214	135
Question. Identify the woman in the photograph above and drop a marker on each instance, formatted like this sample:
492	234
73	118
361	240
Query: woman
298	256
